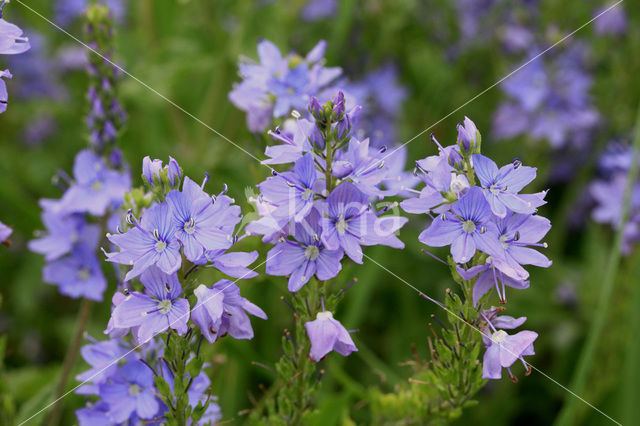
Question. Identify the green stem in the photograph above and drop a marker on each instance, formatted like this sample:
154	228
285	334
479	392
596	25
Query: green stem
578	383
69	360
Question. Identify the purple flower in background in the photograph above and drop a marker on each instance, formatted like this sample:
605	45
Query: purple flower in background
611	22
504	349
276	84
501	186
327	334
292	192
350	223
159	309
468	226
96	187
5	233
152	241
202	224
315	10
77	275
220	310
304	257
549	100
63	232
130	390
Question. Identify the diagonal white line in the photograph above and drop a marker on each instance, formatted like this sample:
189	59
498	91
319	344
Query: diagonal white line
116	360
571	34
402	280
145	85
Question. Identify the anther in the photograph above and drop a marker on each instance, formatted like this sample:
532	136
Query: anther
516	163
516	237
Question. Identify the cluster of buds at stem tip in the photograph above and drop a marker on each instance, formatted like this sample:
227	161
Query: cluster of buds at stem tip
106	116
469	139
156	175
332	119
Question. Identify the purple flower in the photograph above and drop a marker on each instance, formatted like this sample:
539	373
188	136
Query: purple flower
292	192
318	9
5	232
77	275
155	311
63	232
94	415
304	257
276	84
491	276
350	223
327	334
200	223
4	95
220	310
100	356
234	264
516	232
152	241
68	10
613	21
130	390
294	136
468	226
96	187
501	186
504	349
12	41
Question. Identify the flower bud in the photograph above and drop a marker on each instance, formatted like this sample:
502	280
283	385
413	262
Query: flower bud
468	136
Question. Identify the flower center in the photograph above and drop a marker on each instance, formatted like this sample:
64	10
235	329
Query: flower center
495	190
134	390
307	194
499	336
468	226
164	306
324	315
160	246
84	274
341	226
96	186
312	252
503	241
190	226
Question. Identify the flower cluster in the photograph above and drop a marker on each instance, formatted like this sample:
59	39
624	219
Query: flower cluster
12	42
323	207
191	224
608	192
90	204
127	390
175	224
277	84
491	229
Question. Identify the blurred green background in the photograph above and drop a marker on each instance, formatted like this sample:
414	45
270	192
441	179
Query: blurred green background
188	50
